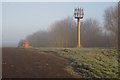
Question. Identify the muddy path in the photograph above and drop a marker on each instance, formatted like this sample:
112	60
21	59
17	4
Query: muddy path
22	63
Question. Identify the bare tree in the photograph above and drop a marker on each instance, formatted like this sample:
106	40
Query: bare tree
20	43
92	34
119	24
38	39
111	23
63	33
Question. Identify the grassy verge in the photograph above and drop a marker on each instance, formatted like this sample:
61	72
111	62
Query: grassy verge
88	62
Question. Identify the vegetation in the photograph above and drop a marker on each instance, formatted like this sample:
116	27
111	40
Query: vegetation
63	33
88	62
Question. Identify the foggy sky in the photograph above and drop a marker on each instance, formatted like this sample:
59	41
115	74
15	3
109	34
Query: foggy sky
22	19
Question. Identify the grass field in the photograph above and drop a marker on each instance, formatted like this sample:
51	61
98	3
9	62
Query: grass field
88	62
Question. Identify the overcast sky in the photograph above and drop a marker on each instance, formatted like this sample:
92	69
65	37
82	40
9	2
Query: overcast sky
20	19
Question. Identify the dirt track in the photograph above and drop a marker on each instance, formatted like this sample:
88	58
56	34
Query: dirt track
20	63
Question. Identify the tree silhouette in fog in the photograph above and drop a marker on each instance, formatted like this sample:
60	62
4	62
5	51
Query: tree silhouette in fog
63	33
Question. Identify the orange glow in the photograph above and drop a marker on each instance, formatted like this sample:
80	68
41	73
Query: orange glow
25	44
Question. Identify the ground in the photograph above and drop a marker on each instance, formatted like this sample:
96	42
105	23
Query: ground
21	63
60	62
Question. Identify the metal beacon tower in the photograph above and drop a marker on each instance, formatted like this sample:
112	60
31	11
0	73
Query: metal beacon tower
78	14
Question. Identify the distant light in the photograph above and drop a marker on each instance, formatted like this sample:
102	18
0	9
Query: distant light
78	13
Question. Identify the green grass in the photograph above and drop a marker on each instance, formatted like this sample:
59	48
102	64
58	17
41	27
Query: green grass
88	62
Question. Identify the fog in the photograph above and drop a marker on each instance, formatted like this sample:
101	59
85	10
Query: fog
23	19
